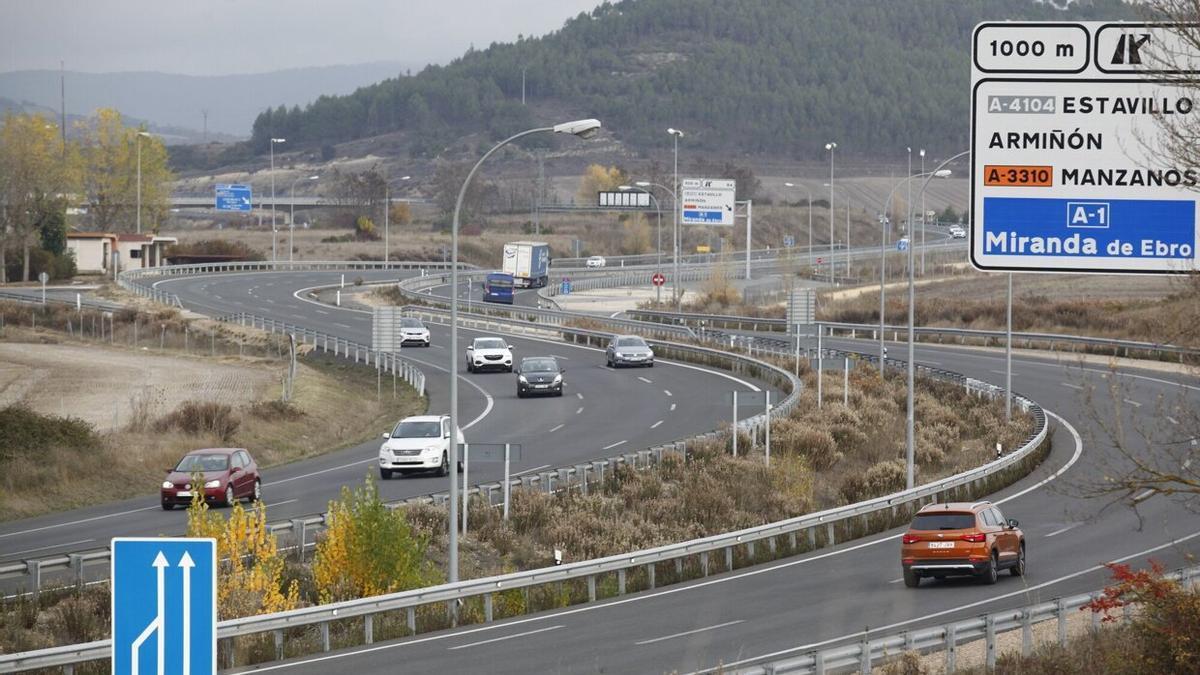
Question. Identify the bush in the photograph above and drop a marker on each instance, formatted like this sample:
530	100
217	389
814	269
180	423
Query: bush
275	411
201	417
1167	630
880	479
220	247
24	432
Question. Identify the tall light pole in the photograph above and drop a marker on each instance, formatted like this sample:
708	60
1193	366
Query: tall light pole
908	201
387	213
831	147
847	198
140	134
273	142
887	210
581	128
809	193
292	215
922	218
676	134
910	439
657	210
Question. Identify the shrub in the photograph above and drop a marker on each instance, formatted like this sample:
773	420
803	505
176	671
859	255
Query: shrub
24	432
1167	630
880	479
201	417
276	410
216	247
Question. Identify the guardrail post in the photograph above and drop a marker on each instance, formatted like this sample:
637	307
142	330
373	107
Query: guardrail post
325	636
812	538
750	551
77	567
487	607
34	569
864	656
591	584
990	645
369	628
1026	632
650	575
830	540
621	581
410	619
298	533
728	558
818	663
278	633
951	649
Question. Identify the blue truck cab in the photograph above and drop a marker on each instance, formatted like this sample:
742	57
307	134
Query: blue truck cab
498	287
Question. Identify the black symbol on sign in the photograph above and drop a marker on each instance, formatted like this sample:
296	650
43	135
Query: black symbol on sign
1132	45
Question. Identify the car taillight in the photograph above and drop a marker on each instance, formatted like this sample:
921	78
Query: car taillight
909	539
976	538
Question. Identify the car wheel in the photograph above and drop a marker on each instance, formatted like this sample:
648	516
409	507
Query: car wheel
911	579
470	368
650	365
444	470
509	369
229	498
257	494
560	392
520	394
385	474
991	572
168	506
1018	570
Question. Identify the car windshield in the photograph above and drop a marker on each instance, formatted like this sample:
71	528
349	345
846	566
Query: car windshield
192	463
411	323
490	343
417	430
631	342
539	365
944	521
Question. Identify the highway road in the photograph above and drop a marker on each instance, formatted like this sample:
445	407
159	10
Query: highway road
790	606
603	413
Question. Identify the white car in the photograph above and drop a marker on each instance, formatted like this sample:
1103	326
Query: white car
957	232
414	332
420	443
489	353
596	261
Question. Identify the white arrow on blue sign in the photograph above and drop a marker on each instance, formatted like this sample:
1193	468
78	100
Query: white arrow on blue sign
164	606
233	197
902	244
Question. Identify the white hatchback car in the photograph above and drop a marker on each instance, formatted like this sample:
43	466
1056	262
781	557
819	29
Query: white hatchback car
486	353
957	232
596	261
413	331
420	443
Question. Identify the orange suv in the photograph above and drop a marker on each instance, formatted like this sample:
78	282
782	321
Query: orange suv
961	539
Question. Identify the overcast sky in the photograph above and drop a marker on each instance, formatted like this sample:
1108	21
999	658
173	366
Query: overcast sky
216	37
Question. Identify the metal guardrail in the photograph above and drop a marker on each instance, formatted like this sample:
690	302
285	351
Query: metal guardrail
282	266
53	300
823	527
866	654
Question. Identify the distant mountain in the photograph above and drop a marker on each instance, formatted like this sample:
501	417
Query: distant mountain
177	101
170	135
752	77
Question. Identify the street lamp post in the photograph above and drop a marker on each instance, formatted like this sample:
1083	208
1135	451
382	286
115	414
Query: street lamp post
809	193
922	218
676	134
581	128
910	439
831	147
273	142
657	210
387	212
292	215
847	198
887	209
140	134
674	200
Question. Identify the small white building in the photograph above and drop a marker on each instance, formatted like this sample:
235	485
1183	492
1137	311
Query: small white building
93	251
138	251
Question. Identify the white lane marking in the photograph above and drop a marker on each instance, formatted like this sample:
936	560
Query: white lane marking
536	468
342	325
1132	402
998	372
437	346
616	314
579	411
672	407
896	581
288	501
554	429
683	589
76	522
1105	373
506	637
690	632
579	396
321	311
318	473
43	548
559	356
610	447
1172	420
645	380
668	392
655	425
1145	495
1072	386
1063	529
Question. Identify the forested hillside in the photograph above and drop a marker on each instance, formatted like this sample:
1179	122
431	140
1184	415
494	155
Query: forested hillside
777	77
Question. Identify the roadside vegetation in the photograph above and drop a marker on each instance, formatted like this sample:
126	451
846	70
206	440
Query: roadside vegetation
44	443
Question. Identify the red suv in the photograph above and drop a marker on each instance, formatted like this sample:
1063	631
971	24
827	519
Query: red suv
961	539
229	474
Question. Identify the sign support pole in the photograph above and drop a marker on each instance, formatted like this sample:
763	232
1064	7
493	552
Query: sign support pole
466	468
846	383
1008	356
768	433
507	486
820	370
735	429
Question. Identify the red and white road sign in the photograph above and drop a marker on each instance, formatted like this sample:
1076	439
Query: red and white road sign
820	261
658	279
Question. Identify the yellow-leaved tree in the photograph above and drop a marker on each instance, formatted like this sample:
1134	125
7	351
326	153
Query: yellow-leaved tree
108	151
36	174
250	569
597	178
368	549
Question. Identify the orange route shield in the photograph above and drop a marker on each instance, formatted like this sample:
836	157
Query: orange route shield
1007	175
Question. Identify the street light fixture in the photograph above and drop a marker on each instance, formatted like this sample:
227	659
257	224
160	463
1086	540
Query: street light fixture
831	147
387	214
581	128
140	134
676	135
910	438
292	215
657	210
273	142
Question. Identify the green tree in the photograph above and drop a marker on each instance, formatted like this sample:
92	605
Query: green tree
36	172
109	159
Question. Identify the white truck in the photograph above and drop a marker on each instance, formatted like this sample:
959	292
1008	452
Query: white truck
528	262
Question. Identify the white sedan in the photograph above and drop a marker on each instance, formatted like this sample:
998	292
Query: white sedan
596	261
486	353
957	232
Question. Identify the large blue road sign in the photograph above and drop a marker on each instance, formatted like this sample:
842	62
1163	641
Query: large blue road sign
233	197
164	606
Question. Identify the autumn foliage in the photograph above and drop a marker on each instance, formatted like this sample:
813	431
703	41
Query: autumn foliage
1166	627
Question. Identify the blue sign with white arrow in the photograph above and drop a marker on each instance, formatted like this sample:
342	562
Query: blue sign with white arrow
902	244
164	606
232	197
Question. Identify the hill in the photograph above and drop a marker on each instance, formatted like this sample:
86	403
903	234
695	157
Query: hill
762	77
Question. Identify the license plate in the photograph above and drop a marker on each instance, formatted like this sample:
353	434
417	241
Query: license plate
941	544
540	386
183	493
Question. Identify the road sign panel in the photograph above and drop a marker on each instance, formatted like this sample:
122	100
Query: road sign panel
658	279
758	398
789	241
705	201
386	332
565	287
902	244
490	452
164	605
1071	163
232	197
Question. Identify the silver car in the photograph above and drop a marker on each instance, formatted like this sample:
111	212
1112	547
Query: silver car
629	350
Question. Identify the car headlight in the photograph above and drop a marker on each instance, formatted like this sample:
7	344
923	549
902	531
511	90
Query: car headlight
522	379
620	355
166	484
433	448
215	483
557	379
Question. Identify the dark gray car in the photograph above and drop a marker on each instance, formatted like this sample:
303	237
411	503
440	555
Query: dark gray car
629	350
539	375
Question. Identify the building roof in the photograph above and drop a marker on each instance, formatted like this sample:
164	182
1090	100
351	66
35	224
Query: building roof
90	235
